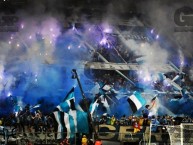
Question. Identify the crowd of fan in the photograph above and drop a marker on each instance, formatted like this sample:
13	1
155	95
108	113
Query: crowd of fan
142	121
25	119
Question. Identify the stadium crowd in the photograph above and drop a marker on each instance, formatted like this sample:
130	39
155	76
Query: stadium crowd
44	123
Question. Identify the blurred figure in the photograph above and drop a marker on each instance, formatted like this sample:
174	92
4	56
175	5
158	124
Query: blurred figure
1	121
103	119
165	135
134	119
145	113
163	121
29	142
186	120
136	127
90	142
65	142
154	123
84	140
141	119
98	142
113	119
37	121
123	120
50	125
129	120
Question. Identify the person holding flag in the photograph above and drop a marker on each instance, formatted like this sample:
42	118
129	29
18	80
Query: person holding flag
145	112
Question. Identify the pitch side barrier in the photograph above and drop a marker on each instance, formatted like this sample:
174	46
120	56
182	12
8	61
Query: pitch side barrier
118	133
126	133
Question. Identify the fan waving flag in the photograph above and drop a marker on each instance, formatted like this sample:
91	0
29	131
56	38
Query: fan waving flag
136	101
69	119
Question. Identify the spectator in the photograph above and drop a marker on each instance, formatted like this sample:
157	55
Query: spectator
145	113
154	123
163	121
37	121
113	119
129	120
141	119
165	135
84	140
136	127
186	120
90	142
98	142
122	120
65	142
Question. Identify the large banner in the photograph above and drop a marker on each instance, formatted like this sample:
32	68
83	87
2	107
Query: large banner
126	133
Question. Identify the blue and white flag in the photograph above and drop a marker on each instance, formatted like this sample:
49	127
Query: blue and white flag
65	125
36	106
93	107
106	105
69	119
68	103
136	101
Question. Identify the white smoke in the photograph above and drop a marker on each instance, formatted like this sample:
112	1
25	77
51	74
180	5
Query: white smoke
152	52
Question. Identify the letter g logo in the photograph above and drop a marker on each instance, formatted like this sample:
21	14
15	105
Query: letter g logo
184	16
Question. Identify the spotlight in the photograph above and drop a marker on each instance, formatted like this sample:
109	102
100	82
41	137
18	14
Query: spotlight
73	27
107	30
9	94
22	26
103	41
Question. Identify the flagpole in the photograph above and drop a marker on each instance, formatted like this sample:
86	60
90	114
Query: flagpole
79	84
75	75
